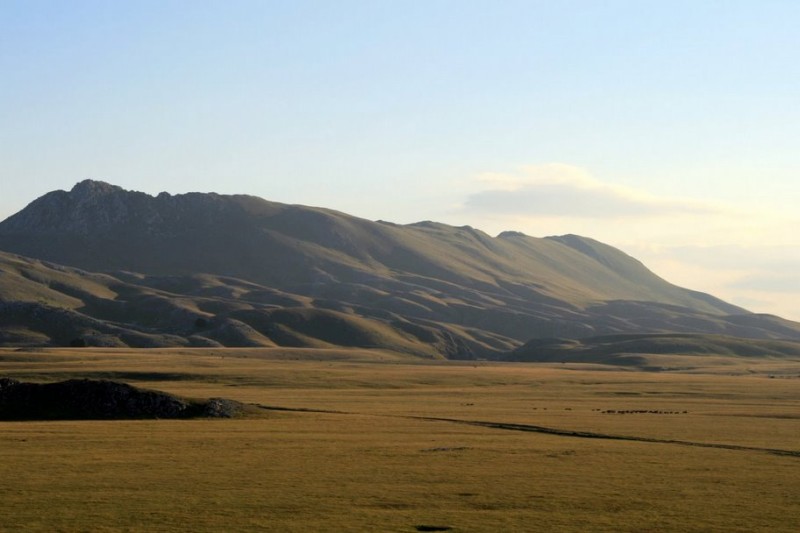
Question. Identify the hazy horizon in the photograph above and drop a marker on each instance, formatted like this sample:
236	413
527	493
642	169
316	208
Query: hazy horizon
667	130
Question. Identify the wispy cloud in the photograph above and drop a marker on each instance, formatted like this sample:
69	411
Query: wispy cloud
558	190
768	282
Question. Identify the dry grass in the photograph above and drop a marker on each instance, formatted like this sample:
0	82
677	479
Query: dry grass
376	468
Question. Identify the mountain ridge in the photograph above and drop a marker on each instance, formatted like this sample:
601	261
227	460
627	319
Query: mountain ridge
409	286
335	241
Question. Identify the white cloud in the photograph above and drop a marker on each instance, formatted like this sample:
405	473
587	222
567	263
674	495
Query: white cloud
565	191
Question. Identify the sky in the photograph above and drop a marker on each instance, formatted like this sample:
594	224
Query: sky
668	129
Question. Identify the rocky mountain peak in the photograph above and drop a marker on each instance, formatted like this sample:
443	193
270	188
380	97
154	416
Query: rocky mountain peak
88	187
95	208
89	207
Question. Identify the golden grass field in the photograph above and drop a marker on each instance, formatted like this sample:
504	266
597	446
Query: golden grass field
390	453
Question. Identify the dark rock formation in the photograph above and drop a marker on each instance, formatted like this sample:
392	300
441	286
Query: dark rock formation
84	399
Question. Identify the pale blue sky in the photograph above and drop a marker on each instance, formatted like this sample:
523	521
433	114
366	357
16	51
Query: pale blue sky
679	121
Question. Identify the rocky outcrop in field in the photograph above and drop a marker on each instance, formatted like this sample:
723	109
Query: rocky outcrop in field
85	399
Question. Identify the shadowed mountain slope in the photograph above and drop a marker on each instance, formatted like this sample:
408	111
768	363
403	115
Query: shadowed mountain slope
208	269
44	304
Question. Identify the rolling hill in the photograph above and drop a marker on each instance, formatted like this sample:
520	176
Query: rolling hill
104	266
642	350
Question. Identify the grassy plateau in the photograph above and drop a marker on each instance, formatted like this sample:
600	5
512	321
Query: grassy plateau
364	440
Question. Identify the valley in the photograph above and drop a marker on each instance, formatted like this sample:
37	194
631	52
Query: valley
399	267
381	377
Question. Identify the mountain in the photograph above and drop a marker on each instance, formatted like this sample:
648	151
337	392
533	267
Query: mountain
209	269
